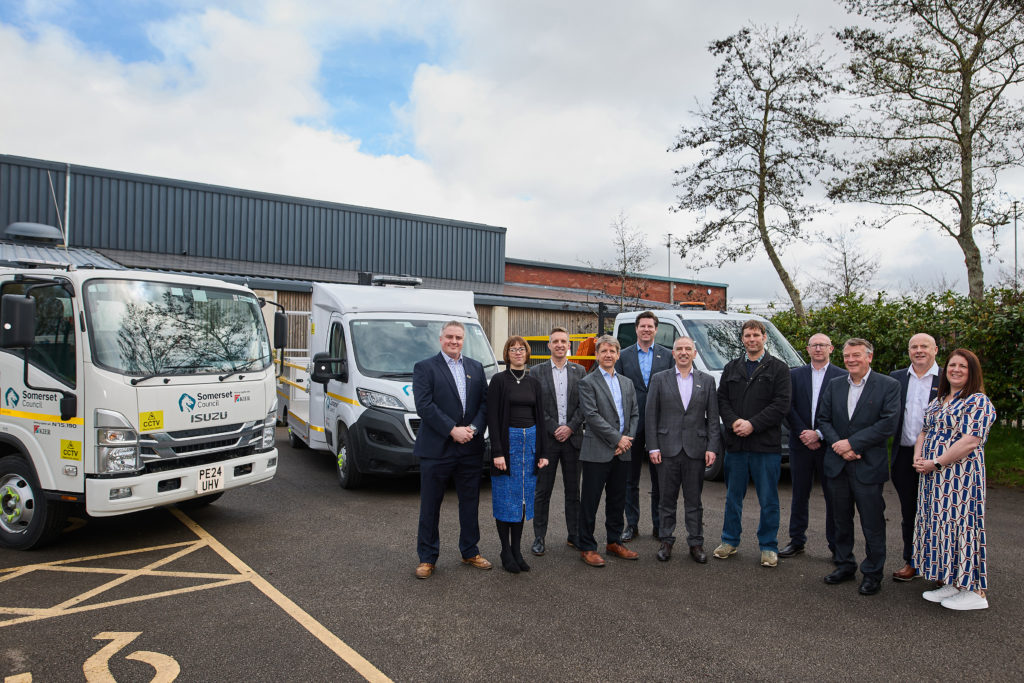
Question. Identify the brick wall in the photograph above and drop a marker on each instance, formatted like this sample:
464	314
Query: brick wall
656	290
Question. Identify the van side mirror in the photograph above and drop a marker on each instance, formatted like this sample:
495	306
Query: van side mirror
322	370
280	330
17	321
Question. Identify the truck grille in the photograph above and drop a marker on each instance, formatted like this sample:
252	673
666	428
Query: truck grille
162	451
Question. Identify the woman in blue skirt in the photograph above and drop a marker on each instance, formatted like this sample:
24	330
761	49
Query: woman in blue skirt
514	418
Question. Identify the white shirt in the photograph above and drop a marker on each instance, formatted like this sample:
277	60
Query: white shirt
560	377
855	391
918	391
685	386
817	379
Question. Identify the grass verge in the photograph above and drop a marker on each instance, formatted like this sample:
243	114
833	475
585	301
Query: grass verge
1004	457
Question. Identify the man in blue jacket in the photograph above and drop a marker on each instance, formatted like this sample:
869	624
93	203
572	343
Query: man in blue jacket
450	391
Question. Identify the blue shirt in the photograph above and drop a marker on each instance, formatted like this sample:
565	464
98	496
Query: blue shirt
613	386
645	359
458	371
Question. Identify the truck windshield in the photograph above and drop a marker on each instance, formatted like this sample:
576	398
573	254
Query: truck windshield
719	342
159	328
388	348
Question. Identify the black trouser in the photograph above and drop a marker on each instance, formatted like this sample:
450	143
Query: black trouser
904	479
848	491
804	466
570	458
688	473
610	478
434	476
639	456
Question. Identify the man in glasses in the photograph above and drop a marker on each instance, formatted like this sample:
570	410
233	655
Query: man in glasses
806	451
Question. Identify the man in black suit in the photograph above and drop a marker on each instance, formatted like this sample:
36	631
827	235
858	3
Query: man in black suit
450	391
806	452
563	435
919	384
639	362
858	414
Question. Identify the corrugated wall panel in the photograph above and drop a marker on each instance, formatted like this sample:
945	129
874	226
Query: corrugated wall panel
25	193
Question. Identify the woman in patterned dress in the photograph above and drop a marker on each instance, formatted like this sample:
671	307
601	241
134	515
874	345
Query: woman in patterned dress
949	534
514	419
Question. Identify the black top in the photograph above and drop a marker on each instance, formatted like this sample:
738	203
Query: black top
762	398
521	403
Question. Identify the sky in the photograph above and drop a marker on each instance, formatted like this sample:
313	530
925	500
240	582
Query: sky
550	119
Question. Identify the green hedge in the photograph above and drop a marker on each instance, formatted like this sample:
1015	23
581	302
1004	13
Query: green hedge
993	329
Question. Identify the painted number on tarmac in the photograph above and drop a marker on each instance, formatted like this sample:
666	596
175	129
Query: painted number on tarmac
97	667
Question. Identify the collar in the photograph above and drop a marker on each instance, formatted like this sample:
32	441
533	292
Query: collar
823	368
933	371
562	367
608	375
451	361
650	349
849	379
756	360
680	374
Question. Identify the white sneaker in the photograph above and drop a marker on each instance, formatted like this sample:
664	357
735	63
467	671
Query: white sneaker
965	600
940	594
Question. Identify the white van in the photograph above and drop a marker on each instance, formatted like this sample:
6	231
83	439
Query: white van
716	335
351	393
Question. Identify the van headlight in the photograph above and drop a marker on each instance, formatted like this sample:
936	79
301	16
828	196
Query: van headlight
376	399
117	444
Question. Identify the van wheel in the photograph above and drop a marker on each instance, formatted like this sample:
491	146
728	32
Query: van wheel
200	502
27	519
294	441
715	471
349	476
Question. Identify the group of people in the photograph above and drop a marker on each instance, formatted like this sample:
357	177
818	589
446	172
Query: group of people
646	402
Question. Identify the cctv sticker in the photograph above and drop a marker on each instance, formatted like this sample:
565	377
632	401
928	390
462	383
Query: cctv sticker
70	450
151	421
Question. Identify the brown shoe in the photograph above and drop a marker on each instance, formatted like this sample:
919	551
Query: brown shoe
908	573
621	551
592	558
424	570
477	561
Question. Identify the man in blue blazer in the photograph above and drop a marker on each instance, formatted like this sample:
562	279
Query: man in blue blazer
450	391
639	363
858	415
806	451
919	385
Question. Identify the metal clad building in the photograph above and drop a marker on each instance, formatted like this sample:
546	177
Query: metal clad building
131	212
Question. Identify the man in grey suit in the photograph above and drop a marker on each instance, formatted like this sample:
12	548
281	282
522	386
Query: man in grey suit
611	414
563	420
858	414
683	437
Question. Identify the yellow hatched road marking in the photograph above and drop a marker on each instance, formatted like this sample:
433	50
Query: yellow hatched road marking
245	574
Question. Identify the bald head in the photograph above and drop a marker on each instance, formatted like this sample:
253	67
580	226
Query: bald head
819	348
922	350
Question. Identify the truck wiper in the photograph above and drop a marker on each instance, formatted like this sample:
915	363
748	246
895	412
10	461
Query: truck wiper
163	373
395	375
238	368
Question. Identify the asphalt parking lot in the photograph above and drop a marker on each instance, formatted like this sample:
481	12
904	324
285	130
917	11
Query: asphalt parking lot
298	580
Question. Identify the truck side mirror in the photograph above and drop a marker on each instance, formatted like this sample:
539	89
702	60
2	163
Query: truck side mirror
17	321
280	330
68	407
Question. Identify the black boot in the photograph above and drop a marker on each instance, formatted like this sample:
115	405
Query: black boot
508	562
516	541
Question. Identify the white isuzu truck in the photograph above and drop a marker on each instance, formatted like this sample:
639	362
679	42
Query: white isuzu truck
351	393
122	390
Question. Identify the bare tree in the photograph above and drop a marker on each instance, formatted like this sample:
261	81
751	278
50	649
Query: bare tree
938	125
848	268
761	140
631	257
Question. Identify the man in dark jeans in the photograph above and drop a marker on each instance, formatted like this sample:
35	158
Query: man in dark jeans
753	398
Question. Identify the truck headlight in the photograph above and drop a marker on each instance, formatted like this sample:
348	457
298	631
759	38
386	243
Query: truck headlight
269	425
376	399
117	444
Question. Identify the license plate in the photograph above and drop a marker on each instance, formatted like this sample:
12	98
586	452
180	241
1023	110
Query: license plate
210	479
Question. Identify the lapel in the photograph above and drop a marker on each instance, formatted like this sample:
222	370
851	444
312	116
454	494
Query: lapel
447	374
865	396
935	387
699	382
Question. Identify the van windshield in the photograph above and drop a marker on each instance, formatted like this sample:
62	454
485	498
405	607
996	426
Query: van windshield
718	342
390	348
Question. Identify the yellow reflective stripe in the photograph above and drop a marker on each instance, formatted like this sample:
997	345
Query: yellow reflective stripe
282	380
313	427
40	417
350	401
282	394
316	429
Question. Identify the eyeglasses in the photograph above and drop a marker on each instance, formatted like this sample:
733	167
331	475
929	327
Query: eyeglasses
517	349
818	346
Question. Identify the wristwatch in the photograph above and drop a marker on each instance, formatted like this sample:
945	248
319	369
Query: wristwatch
938	465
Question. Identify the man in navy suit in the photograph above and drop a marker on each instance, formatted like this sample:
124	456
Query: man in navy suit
857	416
450	391
639	363
919	384
806	451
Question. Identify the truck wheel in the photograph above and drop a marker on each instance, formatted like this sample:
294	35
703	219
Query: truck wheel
200	502
27	519
348	476
294	441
